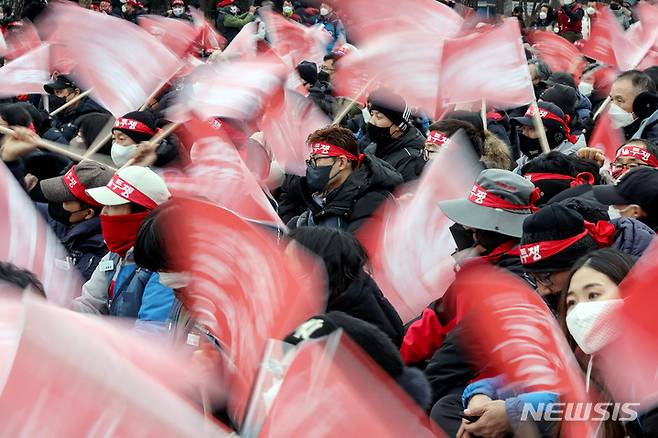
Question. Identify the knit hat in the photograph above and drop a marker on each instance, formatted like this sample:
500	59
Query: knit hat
556	236
391	105
563	96
499	201
71	186
308	71
138	125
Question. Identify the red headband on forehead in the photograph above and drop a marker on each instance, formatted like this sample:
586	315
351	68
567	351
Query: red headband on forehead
133	125
127	191
77	188
581	178
330	150
602	232
637	152
545	114
482	197
438	138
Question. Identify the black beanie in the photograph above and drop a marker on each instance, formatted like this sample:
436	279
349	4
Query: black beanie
563	96
144	117
556	222
391	105
308	71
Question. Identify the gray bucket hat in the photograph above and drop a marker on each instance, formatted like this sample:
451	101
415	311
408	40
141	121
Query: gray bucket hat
71	186
499	201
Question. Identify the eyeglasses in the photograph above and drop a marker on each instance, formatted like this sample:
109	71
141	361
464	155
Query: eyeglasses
313	161
625	165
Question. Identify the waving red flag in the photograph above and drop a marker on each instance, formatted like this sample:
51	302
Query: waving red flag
244	44
410	251
177	35
558	53
122	62
27	73
489	65
244	290
29	243
287	124
333	388
208	39
87	377
21	39
516	335
606	137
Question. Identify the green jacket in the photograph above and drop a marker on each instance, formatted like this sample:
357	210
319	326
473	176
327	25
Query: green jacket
237	21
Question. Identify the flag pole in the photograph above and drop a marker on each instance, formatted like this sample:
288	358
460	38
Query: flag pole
71	102
603	106
483	113
539	127
101	138
346	109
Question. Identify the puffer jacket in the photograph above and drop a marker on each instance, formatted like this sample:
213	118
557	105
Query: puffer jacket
350	205
403	153
632	236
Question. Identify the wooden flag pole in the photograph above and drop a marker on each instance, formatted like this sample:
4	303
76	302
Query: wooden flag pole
101	139
71	102
539	127
483	113
346	109
602	108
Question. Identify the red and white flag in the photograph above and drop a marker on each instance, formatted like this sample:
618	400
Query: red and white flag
287	123
177	35
490	65
410	250
122	62
208	39
606	137
21	39
27	73
557	52
29	243
243	288
73	375
243	46
295	42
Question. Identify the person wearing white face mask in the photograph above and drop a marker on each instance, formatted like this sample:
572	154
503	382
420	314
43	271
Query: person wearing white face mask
331	23
130	130
544	18
178	11
623	93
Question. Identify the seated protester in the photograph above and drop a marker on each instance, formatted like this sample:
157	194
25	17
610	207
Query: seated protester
318	91
393	138
89	129
498	128
179	11
21	279
351	289
635	195
539	74
67	121
373	342
624	91
493	215
14	149
594	292
566	99
342	189
553	173
633	154
557	130
42	124
118	287
40	166
583	107
553	239
69	204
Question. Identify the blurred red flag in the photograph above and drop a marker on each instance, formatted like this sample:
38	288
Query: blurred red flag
122	62
21	39
218	174
606	137
332	386
89	378
558	53
244	290
27	73
287	123
208	39
177	35
29	243
410	250
490	65
513	333
244	44
295	42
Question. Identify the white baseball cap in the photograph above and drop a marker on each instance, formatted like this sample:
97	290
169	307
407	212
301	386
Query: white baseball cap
136	184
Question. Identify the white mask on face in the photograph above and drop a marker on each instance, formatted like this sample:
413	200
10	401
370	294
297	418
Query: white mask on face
287	10
324	11
543	15
585	88
593	324
178	11
620	118
124	8
174	280
366	114
590	11
613	212
121	154
568	2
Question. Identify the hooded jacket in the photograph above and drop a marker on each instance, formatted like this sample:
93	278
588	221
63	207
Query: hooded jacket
497	155
632	236
403	153
364	300
85	246
350	205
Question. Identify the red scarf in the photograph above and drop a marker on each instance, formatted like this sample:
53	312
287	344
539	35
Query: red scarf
120	231
509	248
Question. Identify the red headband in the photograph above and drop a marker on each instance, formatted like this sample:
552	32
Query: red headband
602	232
637	152
135	3
127	191
330	150
437	138
480	196
580	179
133	125
78	189
545	114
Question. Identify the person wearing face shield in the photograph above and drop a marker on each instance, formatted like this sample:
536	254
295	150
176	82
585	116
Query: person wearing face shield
634	105
179	11
570	20
342	188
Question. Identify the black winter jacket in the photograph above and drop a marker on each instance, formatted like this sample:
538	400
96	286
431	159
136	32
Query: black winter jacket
351	204
404	153
68	121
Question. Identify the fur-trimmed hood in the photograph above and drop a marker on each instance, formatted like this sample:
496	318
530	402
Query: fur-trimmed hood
497	154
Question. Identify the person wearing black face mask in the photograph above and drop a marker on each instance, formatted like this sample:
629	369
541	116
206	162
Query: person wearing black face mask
393	138
342	188
69	204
